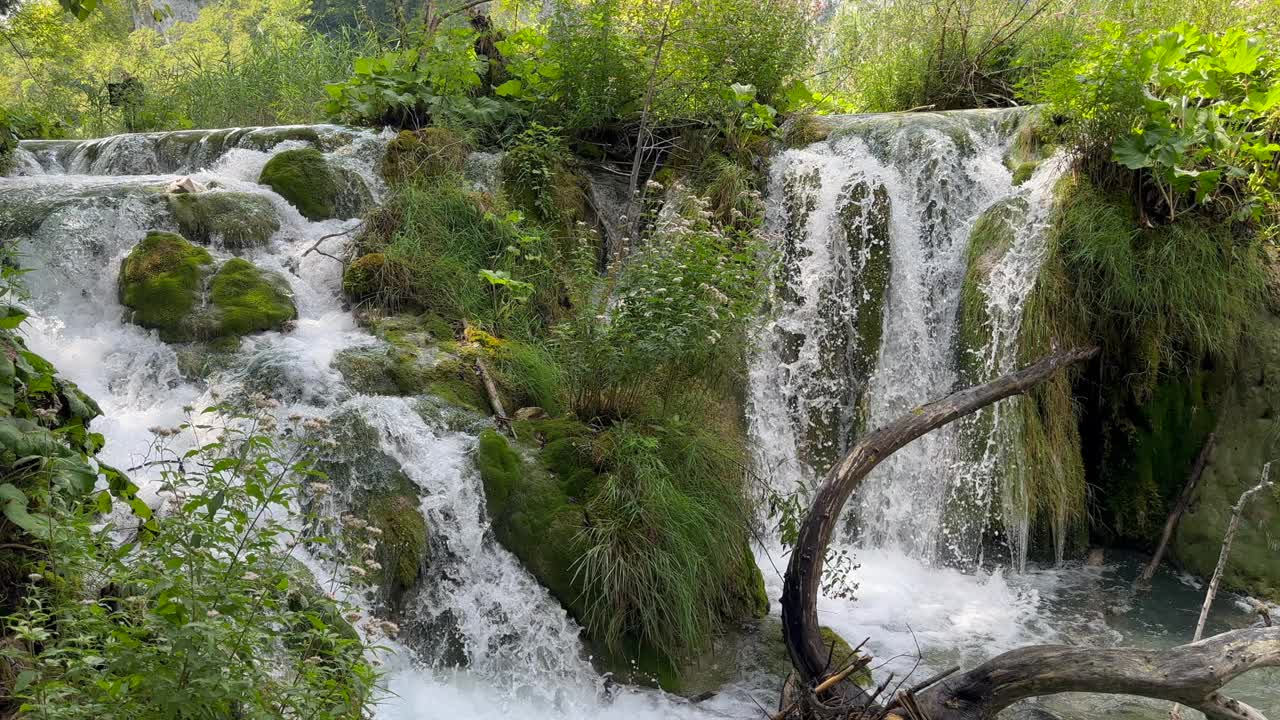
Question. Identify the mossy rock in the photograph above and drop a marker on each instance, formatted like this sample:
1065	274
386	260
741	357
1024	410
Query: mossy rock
805	129
373	486
402	546
427	153
848	352
161	282
363	278
304	178
239	220
246	299
533	517
1246	440
367	370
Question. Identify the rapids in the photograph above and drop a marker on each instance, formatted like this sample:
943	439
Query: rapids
75	209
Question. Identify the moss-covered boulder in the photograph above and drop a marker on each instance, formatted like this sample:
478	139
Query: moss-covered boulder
237	220
372	486
430	152
363	278
305	179
161	282
1246	440
533	517
246	299
172	286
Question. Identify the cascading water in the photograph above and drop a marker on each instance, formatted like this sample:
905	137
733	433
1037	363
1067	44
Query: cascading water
479	637
874	226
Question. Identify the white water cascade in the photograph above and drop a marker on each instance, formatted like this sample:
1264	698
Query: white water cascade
479	637
874	226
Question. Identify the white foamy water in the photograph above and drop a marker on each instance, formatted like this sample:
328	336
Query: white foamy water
74	217
818	382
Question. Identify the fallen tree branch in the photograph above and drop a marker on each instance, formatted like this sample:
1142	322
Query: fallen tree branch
1189	674
1184	501
1212	591
804	571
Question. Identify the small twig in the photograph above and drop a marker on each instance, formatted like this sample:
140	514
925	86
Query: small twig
316	247
932	679
18	546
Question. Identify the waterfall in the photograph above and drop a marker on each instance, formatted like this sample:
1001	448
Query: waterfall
873	228
477	628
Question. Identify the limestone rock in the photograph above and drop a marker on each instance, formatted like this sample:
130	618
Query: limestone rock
1246	441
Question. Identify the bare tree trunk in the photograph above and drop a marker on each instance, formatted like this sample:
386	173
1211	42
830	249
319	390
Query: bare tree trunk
642	135
1190	674
1212	591
1184	501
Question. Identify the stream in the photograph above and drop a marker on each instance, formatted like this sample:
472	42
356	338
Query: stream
74	209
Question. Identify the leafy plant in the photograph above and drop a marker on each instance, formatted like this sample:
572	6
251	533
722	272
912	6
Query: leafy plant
1198	113
410	88
202	610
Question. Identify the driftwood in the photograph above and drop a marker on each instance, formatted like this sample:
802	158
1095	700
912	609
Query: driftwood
1190	674
1184	502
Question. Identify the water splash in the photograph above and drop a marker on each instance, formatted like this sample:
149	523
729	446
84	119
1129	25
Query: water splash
874	227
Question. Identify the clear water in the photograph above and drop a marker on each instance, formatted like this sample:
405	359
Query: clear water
74	220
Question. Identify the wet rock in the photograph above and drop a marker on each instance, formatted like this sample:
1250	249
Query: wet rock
1246	441
184	185
237	220
530	413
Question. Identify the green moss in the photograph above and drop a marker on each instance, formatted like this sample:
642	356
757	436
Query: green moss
239	220
248	299
161	282
430	152
532	517
403	543
1024	171
304	179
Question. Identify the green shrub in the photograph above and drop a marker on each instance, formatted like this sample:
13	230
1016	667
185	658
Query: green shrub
683	301
663	561
198	617
1196	115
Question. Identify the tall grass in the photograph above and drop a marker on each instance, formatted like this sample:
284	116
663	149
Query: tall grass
664	557
1159	297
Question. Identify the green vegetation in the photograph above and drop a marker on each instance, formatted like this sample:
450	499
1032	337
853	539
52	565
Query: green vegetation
304	178
150	614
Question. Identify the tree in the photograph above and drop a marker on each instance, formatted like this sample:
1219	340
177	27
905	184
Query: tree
1190	674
